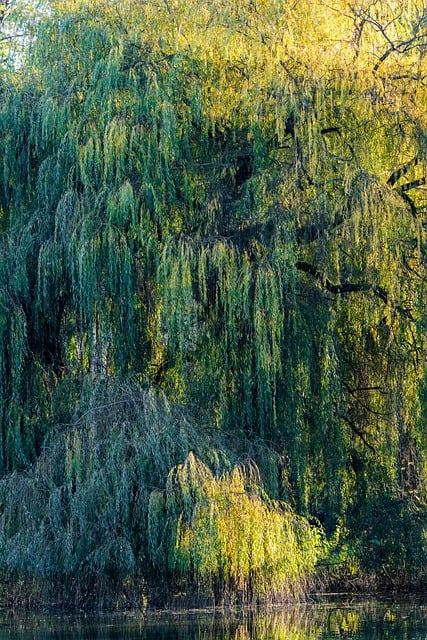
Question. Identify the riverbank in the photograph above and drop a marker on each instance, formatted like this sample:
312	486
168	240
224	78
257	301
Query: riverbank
26	597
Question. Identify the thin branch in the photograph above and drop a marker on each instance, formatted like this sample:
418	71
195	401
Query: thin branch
371	388
342	287
401	47
337	130
350	287
408	186
358	432
413	184
403	170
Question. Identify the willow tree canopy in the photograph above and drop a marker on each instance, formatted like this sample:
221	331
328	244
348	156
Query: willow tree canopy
229	203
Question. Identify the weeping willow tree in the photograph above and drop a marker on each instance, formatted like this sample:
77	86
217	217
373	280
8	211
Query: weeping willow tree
230	205
107	517
227	536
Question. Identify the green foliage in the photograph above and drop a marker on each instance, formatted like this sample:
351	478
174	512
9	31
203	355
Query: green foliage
392	543
108	508
229	206
229	537
77	521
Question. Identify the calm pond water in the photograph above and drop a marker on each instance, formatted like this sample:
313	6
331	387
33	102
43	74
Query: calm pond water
373	620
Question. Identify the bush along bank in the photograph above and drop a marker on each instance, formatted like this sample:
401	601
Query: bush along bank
132	506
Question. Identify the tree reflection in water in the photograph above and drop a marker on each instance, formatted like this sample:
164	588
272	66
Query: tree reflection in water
323	621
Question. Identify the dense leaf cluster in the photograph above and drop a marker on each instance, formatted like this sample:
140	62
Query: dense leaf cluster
228	205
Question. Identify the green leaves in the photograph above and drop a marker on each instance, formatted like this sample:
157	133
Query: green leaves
229	206
224	533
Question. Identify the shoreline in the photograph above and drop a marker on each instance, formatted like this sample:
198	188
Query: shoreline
25	604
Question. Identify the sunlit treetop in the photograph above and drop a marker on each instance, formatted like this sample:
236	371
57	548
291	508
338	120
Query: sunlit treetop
247	54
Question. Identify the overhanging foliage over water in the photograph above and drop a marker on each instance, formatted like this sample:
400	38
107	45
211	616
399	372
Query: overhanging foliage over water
229	205
107	508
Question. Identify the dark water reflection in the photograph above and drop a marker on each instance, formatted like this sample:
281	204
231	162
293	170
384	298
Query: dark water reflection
373	620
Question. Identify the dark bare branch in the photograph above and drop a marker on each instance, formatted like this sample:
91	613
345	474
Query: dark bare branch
358	432
410	203
343	287
413	184
311	232
403	170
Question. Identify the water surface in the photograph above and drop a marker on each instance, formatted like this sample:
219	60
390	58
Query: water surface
368	620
